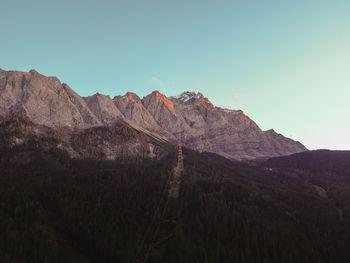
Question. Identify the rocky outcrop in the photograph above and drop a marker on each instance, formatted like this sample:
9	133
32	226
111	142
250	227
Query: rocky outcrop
163	111
45	100
119	140
194	120
133	110
227	132
189	117
115	141
103	108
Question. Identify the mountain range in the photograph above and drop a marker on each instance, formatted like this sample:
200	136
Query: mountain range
189	117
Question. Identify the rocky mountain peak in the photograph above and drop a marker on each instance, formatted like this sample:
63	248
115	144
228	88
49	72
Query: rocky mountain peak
131	97
103	108
98	96
189	95
189	117
159	98
44	99
206	103
195	98
33	71
270	131
133	110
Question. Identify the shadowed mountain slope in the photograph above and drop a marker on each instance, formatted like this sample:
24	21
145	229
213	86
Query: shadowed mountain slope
45	100
62	209
21	140
314	161
189	117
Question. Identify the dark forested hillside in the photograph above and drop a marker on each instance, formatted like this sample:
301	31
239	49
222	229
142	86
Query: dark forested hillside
57	209
233	212
95	211
315	161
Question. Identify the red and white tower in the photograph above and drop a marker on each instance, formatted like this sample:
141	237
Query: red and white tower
180	163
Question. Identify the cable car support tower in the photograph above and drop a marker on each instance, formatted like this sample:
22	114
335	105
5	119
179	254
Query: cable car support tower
180	164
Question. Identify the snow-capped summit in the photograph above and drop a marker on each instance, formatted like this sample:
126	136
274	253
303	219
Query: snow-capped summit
188	95
189	117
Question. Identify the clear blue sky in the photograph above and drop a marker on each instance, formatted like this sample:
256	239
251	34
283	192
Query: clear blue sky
286	64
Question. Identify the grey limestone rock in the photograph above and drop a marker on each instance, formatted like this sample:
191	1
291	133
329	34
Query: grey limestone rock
189	117
45	100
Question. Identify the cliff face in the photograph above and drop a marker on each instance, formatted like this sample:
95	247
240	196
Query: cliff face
133	110
45	100
164	113
190	117
21	138
103	108
227	132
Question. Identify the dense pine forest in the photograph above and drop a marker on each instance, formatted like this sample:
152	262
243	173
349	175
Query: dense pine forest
234	212
57	209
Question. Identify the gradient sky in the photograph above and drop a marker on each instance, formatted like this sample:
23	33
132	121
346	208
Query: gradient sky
286	64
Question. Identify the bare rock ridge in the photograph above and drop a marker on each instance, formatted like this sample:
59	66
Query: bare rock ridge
133	110
45	100
103	108
189	117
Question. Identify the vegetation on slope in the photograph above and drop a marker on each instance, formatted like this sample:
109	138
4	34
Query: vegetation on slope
232	212
315	161
57	209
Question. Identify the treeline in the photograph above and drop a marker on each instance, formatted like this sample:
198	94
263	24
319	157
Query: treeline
92	211
57	209
315	161
233	212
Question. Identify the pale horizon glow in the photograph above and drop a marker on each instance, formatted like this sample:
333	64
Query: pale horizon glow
285	64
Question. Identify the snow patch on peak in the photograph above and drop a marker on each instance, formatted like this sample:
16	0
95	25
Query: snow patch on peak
188	95
227	110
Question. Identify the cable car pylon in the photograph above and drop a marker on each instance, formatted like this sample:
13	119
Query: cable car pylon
180	164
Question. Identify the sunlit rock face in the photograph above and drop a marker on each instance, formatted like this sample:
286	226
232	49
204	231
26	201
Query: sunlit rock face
164	113
189	117
45	100
138	116
193	119
103	108
228	132
133	110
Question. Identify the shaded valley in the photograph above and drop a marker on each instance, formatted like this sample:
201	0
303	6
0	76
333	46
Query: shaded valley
55	208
